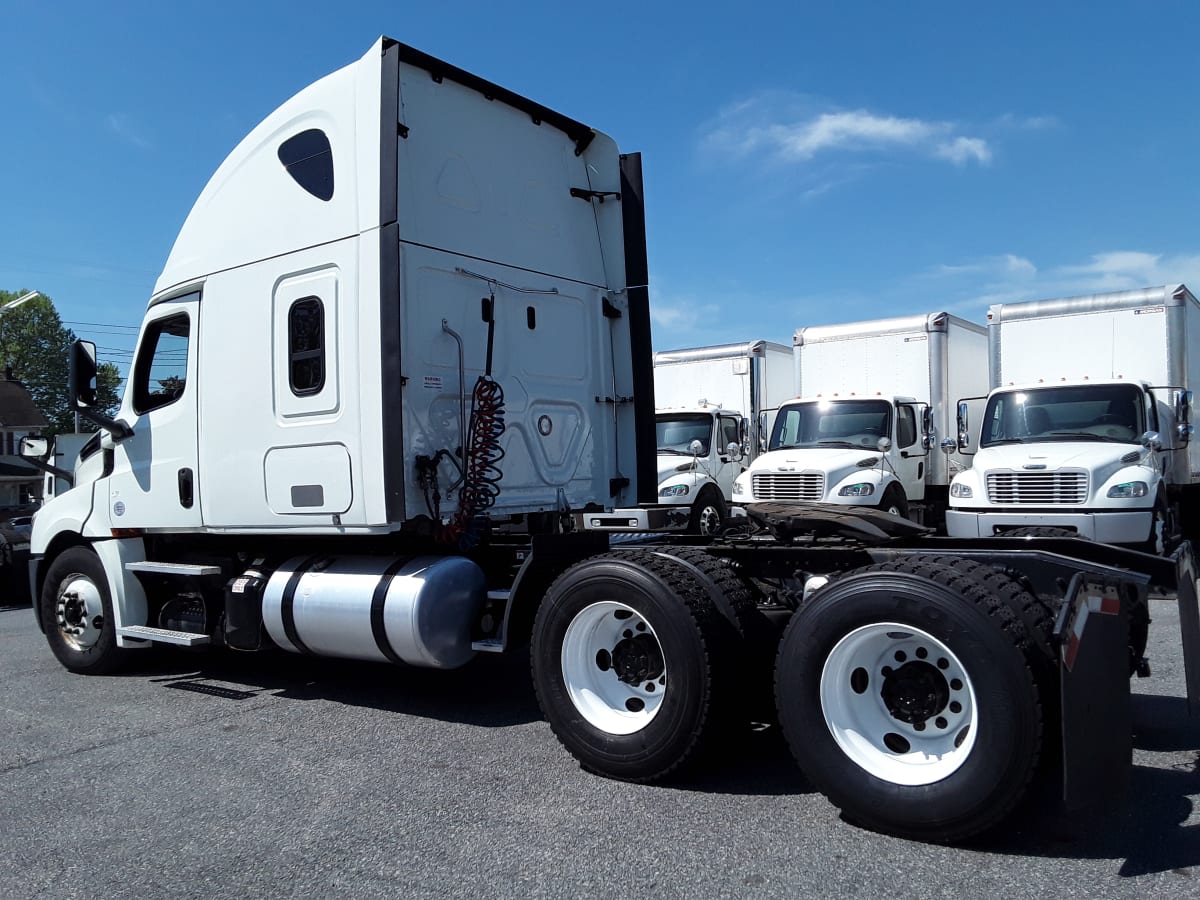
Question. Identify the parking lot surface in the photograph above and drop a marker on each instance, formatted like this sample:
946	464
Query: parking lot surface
239	775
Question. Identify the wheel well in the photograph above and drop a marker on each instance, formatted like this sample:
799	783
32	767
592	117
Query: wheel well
60	543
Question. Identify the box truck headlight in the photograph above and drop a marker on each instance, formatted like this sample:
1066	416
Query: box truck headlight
862	489
1128	489
739	488
958	489
674	490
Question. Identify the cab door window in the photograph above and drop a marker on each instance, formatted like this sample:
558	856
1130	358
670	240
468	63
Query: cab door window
160	373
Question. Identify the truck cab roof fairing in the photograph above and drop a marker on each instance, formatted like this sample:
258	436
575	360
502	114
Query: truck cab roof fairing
253	207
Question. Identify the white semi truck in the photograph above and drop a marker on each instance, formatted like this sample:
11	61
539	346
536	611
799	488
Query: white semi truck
874	397
1087	427
715	407
411	314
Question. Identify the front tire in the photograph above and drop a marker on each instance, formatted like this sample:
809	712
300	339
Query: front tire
632	665
909	700
76	610
894	502
708	513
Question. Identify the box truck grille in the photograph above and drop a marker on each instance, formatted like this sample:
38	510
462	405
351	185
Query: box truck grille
1037	488
778	486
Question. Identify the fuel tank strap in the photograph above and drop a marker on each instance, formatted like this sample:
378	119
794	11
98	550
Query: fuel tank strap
378	629
287	611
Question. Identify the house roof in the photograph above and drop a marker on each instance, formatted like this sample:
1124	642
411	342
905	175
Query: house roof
17	409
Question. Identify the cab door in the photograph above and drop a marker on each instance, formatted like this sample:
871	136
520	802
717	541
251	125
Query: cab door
910	455
154	480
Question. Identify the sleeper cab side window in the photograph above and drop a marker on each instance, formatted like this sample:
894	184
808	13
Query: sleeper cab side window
160	376
306	346
308	158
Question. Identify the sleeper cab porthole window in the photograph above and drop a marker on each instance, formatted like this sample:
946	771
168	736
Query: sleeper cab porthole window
308	158
306	346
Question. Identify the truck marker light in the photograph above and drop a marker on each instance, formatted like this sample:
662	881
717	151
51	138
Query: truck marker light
126	532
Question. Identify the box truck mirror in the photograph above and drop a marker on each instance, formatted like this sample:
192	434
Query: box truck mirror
734	451
1151	440
1185	432
884	444
964	436
949	445
696	448
1183	407
762	432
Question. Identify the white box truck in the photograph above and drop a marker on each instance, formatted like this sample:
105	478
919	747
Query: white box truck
411	315
873	399
1086	429
715	408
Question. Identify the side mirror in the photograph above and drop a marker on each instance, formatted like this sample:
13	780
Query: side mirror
696	448
928	432
734	451
1152	441
83	375
949	445
82	390
762	432
1183	416
964	435
884	444
34	447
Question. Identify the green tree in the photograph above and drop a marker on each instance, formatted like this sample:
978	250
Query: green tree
36	345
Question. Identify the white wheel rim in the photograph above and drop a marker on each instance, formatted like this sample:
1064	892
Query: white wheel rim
79	612
899	703
613	667
710	520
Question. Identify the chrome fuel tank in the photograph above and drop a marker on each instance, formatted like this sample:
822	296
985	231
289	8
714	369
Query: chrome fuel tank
418	611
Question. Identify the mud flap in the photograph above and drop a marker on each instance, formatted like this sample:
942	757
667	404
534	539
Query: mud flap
1097	740
1189	623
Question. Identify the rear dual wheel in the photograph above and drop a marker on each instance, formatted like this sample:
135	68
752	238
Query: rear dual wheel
910	698
636	666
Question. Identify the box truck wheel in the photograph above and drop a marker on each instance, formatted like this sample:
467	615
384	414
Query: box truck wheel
894	501
708	512
77	612
632	665
908	698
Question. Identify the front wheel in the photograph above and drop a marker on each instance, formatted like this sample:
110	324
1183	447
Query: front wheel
631	664
708	513
908	699
894	501
77	613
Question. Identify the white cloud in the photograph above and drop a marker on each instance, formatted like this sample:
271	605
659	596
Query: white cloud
795	128
120	125
970	287
962	150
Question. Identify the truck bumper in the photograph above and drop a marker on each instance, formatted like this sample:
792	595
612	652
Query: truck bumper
1105	527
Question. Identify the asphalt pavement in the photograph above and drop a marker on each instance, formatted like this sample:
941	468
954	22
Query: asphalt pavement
233	775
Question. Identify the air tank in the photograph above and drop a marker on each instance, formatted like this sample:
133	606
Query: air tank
418	611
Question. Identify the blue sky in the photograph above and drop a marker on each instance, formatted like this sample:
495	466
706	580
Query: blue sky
805	163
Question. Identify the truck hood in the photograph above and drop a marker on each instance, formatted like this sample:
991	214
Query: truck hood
669	464
1100	458
835	462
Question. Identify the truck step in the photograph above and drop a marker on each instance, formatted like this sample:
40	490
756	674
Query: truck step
163	635
166	568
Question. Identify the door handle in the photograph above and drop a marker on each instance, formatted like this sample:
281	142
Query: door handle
186	497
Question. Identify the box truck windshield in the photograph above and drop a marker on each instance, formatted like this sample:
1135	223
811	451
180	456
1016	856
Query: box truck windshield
1070	413
832	423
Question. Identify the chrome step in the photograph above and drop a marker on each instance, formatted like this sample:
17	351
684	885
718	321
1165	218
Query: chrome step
166	568
163	635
